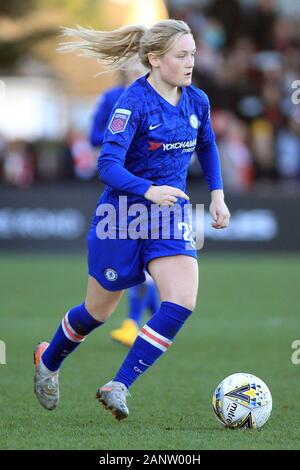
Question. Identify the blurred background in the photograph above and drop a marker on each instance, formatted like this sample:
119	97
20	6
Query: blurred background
247	61
247	319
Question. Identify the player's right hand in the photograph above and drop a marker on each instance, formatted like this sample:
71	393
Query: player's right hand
164	195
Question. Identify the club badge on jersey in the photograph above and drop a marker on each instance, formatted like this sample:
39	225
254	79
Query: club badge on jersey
119	120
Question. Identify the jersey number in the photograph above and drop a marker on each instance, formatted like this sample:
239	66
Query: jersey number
187	234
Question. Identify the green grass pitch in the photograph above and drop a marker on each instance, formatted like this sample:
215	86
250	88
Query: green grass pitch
246	319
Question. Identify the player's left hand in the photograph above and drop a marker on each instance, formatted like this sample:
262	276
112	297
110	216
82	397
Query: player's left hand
219	211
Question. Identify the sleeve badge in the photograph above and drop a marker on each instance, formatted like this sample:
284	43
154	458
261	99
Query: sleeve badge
119	120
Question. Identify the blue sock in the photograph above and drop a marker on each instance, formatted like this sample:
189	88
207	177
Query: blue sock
153	298
76	324
153	340
137	298
140	298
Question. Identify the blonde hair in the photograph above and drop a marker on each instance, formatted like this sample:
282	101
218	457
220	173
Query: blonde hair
116	49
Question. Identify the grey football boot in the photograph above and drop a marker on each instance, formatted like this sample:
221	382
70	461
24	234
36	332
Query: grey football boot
113	397
46	387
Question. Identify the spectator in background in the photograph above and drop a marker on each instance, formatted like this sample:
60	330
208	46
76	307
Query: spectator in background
288	148
18	167
259	20
229	15
2	155
84	162
262	136
237	159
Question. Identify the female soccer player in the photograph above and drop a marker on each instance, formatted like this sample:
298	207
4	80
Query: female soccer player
143	296
153	130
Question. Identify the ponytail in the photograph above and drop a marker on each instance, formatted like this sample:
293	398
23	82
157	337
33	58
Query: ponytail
114	49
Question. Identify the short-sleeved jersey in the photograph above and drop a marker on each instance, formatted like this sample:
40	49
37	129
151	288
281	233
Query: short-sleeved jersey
159	138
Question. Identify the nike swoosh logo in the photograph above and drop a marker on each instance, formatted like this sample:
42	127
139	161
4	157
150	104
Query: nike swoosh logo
143	363
151	127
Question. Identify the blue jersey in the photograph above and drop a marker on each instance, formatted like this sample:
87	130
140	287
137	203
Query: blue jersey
102	112
148	141
154	140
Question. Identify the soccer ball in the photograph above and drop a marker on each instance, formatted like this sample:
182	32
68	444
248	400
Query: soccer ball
242	401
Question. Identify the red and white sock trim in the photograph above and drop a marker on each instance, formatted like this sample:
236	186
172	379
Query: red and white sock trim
69	332
155	338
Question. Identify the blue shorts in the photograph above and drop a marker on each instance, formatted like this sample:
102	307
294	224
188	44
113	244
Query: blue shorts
120	263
